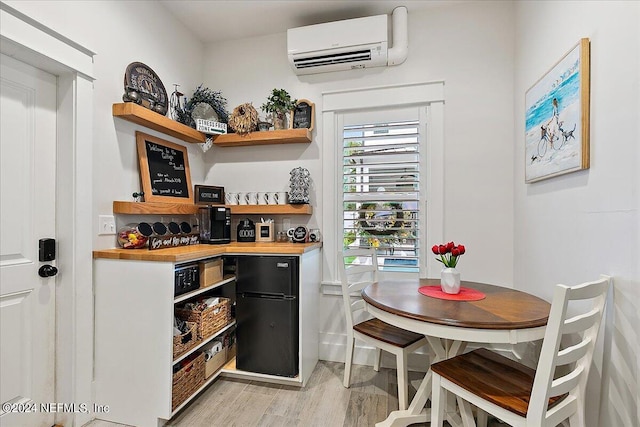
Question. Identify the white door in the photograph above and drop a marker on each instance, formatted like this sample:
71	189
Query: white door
27	214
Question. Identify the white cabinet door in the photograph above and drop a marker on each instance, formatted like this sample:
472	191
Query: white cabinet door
27	214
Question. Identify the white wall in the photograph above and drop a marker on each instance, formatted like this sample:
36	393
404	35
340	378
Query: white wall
119	33
574	227
471	48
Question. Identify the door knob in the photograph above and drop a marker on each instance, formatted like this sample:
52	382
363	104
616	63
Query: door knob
47	271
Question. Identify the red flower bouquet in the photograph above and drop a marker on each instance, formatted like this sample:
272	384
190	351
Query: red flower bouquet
448	253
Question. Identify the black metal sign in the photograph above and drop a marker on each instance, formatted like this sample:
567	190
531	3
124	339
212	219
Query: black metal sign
208	195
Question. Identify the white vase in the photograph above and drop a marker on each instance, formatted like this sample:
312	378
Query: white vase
450	281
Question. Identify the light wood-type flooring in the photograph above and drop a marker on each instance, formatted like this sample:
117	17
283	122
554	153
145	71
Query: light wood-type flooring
324	402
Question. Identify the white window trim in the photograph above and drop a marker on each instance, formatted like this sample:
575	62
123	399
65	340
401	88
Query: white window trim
428	95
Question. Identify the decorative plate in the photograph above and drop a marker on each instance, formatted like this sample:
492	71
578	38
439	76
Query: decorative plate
204	111
143	86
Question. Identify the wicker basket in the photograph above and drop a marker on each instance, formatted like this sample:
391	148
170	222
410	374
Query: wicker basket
184	342
211	319
187	380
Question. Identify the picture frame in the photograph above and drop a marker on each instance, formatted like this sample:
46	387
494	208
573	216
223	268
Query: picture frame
557	117
303	115
208	195
164	170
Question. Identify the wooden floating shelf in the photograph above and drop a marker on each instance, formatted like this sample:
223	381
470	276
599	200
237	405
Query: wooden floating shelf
143	116
154	208
285	136
159	208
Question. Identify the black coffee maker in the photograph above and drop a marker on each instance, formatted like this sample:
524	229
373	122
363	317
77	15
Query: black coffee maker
215	225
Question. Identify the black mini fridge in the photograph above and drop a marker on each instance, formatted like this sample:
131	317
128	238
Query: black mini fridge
267	315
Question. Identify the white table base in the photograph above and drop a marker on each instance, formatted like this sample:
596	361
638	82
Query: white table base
417	413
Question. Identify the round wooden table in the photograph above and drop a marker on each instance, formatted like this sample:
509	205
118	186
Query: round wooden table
504	316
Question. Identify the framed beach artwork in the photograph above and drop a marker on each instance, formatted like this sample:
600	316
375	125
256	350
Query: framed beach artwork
557	118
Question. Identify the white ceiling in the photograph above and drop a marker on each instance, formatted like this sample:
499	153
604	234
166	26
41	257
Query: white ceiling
216	20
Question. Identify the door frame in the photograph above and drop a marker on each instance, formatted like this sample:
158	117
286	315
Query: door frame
32	42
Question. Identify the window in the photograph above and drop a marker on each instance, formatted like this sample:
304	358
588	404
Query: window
372	111
381	188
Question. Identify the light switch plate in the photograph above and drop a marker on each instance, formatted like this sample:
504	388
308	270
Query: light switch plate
106	225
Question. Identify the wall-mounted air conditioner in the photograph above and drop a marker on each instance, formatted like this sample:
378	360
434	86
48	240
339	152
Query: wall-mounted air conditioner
349	44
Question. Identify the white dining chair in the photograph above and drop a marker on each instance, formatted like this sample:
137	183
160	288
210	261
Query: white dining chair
517	394
381	335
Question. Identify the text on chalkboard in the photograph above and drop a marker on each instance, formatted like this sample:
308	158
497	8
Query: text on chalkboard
166	170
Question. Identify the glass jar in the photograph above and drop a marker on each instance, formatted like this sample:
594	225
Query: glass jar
134	236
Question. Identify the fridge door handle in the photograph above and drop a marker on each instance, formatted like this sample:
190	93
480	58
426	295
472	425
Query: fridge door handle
264	296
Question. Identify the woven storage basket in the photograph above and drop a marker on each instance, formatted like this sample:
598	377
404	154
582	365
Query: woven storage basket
210	320
187	380
184	342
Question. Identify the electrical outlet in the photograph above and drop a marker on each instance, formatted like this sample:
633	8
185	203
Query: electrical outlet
106	225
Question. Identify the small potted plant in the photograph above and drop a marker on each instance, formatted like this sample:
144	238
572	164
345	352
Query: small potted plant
279	103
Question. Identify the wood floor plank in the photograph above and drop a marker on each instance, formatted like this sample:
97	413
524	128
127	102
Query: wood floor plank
291	402
329	404
365	409
214	400
263	388
324	402
246	410
364	379
268	420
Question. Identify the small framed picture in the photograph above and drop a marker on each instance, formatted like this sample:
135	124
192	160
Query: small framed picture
209	195
303	115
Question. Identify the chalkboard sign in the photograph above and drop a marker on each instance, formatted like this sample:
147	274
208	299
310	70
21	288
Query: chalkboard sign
164	170
303	115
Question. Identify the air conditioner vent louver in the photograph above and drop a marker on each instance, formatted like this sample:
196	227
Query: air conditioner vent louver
341	58
348	44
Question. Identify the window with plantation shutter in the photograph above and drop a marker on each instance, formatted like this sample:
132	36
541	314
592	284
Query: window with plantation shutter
381	190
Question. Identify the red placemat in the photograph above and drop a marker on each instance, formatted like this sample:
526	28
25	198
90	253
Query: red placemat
466	294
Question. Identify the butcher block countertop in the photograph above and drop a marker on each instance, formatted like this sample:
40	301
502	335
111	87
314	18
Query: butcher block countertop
190	253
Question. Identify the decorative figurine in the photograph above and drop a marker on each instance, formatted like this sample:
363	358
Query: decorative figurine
174	102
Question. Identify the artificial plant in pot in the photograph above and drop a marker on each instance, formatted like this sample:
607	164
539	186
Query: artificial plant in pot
279	103
449	255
